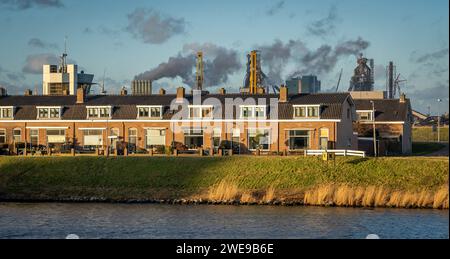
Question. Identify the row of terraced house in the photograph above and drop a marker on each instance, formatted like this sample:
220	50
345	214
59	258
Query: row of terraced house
244	123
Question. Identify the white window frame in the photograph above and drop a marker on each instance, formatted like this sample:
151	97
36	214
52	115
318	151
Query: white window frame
370	112
59	136
149	107
163	135
2	108
14	135
48	108
201	107
3	134
34	135
109	107
269	138
309	136
307	116
253	112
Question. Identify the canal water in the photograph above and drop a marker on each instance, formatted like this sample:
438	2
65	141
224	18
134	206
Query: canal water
92	221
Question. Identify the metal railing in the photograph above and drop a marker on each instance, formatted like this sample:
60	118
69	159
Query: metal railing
337	152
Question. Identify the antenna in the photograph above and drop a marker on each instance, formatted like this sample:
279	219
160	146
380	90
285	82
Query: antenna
63	64
65	45
103	82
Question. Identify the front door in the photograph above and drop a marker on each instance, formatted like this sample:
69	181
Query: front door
323	138
323	143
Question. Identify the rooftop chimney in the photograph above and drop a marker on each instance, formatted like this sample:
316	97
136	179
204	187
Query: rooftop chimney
402	98
222	91
80	95
283	94
66	92
28	92
123	91
180	93
162	91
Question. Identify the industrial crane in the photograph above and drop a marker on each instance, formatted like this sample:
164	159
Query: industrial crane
339	81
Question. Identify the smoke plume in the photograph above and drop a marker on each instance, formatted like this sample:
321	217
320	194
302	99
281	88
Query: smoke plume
276	56
219	64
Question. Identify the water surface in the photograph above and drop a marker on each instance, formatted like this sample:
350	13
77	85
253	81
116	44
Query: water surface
57	220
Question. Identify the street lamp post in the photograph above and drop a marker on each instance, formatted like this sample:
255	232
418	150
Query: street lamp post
374	130
439	123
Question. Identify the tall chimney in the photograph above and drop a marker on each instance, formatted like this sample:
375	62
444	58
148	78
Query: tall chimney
283	94
180	93
28	92
80	95
391	80
162	91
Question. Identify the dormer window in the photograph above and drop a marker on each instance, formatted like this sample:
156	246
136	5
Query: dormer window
149	112
253	112
365	115
49	113
200	111
7	112
99	112
306	111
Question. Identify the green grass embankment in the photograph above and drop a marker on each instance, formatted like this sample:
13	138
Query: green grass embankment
426	134
391	182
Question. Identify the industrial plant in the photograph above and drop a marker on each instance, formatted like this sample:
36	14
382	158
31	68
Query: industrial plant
69	118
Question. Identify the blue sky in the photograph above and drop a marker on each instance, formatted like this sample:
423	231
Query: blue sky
127	38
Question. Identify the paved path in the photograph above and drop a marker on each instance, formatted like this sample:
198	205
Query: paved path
442	152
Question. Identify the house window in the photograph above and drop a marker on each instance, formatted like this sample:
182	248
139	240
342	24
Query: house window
114	138
300	112
56	136
6	112
155	112
2	136
34	137
54	113
193	138
199	112
99	112
236	140
313	112
253	112
306	111
49	112
150	112
132	140
299	139
93	138
207	112
216	136
17	135
155	137
144	112
258	139
365	115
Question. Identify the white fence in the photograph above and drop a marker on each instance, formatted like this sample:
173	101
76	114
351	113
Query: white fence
337	152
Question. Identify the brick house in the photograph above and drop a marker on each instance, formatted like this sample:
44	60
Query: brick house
393	123
245	123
